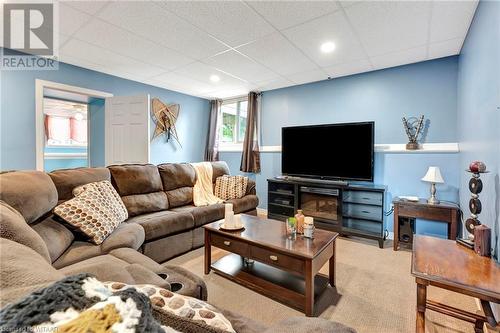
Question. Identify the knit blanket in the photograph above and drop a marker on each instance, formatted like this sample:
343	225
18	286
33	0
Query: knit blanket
81	304
203	191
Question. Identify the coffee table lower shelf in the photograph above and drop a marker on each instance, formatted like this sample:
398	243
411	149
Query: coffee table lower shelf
269	281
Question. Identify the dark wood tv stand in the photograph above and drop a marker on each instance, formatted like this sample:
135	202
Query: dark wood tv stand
355	209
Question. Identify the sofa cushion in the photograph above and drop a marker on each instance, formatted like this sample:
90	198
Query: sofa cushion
163	249
136	178
110	268
248	202
140	187
31	193
145	203
66	180
178	180
164	223
127	235
78	251
204	214
23	271
219	168
180	196
95	211
14	227
177	175
55	235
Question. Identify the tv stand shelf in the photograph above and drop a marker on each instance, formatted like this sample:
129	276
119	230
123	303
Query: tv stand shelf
355	209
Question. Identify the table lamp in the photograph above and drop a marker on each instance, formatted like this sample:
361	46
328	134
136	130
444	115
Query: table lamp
434	177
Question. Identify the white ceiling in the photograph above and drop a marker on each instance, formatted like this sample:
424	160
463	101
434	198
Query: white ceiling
257	45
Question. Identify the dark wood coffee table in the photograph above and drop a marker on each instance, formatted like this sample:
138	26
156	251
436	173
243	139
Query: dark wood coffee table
282	269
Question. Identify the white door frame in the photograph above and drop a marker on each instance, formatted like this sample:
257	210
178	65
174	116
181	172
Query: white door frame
40	85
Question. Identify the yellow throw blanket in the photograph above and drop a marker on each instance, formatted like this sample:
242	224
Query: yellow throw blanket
203	191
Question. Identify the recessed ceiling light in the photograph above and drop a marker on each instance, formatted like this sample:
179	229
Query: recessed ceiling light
214	78
327	47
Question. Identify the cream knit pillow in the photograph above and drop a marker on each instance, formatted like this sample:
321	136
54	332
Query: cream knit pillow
96	210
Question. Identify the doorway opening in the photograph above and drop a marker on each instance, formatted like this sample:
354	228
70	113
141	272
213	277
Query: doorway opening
69	126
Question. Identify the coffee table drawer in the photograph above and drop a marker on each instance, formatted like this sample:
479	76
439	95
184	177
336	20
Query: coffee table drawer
277	259
229	244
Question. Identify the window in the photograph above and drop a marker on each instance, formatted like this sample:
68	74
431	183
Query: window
65	123
234	122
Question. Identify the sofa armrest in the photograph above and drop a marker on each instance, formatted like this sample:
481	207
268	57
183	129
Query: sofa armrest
251	187
308	325
130	235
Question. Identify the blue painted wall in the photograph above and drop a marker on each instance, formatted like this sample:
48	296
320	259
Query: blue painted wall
479	111
17	138
96	144
384	96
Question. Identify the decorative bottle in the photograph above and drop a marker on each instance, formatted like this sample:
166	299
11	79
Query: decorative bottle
300	221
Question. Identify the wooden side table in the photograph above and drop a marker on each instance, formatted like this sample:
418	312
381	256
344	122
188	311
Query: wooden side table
443	212
445	264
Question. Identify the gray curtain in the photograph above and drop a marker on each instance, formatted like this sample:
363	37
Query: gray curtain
250	159
211	150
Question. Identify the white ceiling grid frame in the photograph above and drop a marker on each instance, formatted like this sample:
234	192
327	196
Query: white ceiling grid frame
239	54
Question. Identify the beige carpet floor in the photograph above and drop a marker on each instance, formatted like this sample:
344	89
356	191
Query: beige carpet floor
375	292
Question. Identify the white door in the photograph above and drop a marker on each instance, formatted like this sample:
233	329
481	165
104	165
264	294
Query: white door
127	129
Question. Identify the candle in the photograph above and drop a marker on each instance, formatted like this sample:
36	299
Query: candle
228	208
229	220
237	221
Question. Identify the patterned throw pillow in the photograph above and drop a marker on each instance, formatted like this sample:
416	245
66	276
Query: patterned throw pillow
96	210
231	187
187	311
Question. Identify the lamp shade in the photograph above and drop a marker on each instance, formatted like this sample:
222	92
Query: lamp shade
433	175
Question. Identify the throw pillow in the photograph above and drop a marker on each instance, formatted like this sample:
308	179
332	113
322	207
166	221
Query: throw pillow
231	187
95	211
180	312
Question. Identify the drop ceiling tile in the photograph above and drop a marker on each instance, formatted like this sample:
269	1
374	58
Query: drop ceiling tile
240	66
388	26
276	52
399	58
150	20
285	14
202	72
228	93
349	68
273	84
309	76
175	79
334	27
89	7
446	48
114	62
451	19
110	37
70	19
233	22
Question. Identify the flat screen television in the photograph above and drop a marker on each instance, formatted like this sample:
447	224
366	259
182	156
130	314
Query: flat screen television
333	151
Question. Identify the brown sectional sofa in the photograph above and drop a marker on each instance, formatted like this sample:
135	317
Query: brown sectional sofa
162	221
36	249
